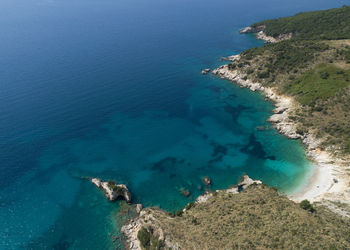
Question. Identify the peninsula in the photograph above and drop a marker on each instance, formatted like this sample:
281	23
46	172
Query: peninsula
247	216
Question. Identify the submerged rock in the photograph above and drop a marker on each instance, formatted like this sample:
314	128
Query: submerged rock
113	190
206	180
260	128
185	192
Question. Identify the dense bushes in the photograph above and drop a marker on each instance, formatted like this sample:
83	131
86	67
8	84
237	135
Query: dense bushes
318	84
144	237
148	240
287	56
326	24
306	205
264	74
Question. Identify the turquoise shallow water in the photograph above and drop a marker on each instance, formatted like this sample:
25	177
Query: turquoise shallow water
113	89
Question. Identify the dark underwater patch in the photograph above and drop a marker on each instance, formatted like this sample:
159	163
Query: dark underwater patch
219	152
235	111
256	149
215	89
165	164
219	149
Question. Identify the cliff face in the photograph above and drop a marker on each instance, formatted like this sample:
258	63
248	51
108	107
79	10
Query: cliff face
256	217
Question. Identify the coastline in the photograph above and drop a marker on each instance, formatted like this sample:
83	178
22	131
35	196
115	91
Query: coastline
328	180
261	35
149	217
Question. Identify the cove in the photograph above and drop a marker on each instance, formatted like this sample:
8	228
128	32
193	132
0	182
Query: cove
113	90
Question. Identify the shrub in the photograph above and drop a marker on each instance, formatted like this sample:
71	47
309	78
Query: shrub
326	24
306	205
264	74
189	205
144	237
231	66
195	221
179	213
324	74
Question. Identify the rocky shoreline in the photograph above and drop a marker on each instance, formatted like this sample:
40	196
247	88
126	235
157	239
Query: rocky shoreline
260	34
329	180
146	218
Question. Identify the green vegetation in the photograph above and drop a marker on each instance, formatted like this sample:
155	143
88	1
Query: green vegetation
114	186
286	56
148	240
306	205
190	205
319	83
256	218
311	68
144	237
327	25
179	213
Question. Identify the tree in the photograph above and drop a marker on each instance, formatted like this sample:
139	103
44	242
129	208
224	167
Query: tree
306	205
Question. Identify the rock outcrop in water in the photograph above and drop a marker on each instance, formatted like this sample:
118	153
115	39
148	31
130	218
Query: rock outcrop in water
113	190
206	180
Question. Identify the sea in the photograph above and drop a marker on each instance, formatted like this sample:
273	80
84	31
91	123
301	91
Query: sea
113	89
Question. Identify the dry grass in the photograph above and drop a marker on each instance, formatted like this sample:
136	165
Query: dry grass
258	218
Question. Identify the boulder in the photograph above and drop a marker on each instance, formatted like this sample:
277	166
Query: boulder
138	208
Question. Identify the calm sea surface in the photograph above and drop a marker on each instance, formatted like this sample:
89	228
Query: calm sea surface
112	89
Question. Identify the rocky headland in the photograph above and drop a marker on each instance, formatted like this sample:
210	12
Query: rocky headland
249	215
260	34
148	221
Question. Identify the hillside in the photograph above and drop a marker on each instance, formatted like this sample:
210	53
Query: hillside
313	67
327	24
256	218
317	75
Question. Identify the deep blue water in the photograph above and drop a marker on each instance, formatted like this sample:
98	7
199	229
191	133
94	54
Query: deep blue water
112	89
